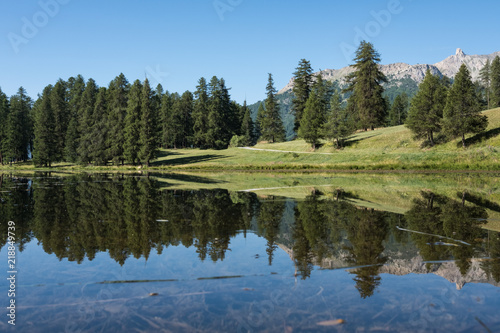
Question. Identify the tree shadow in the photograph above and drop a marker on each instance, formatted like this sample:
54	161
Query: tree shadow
477	200
350	141
480	137
164	177
188	159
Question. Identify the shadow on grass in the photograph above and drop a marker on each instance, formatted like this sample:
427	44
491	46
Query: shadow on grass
485	203
351	141
188	159
480	137
165	177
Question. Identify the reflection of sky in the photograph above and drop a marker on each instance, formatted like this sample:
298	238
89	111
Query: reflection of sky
58	295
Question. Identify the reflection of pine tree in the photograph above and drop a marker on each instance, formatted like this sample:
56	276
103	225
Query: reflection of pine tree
269	220
366	232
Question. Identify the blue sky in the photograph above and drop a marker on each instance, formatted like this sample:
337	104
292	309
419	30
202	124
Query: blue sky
177	42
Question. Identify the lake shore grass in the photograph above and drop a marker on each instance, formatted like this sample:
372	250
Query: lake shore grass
391	148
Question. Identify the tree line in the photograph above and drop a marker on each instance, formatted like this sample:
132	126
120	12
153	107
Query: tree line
79	122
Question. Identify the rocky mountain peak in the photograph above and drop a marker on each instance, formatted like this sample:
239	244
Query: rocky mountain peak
460	53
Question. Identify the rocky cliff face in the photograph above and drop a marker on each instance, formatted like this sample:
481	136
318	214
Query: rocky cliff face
400	71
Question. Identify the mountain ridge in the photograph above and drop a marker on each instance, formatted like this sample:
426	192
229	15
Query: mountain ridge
399	71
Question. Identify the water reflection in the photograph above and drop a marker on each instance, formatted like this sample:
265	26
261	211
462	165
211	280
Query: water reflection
76	217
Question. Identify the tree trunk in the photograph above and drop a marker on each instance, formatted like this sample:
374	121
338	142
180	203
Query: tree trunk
463	140
431	138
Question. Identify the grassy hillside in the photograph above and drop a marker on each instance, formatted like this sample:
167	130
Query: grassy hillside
389	148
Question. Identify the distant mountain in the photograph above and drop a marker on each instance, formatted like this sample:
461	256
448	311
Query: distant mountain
401	77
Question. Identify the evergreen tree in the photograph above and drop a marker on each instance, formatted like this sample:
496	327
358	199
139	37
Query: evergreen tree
303	79
247	127
200	114
219	131
19	127
44	130
314	114
98	140
166	116
485	79
118	91
76	87
426	110
399	110
258	120
462	113
60	110
339	124
132	123
86	121
495	83
365	86
271	125
4	113
148	140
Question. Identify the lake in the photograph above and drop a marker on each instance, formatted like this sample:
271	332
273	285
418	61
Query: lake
252	253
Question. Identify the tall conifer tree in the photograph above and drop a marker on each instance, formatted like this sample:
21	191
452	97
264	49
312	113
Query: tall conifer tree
19	127
426	110
365	84
98	131
495	82
247	126
76	87
462	113
271	125
118	99
60	109
339	123
314	114
86	121
485	78
44	130
132	123
4	112
303	80
200	114
148	143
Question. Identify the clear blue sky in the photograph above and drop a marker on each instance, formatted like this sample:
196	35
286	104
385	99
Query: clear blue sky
177	42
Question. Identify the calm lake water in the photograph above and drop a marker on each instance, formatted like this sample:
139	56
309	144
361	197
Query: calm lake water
109	253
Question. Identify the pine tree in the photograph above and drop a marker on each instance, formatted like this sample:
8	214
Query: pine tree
86	121
98	140
485	79
148	141
4	113
132	123
118	91
314	114
44	130
166	115
258	120
19	127
59	105
399	110
220	115
303	79
339	123
247	126
76	87
271	125
462	113
426	110
200	114
365	86
495	83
